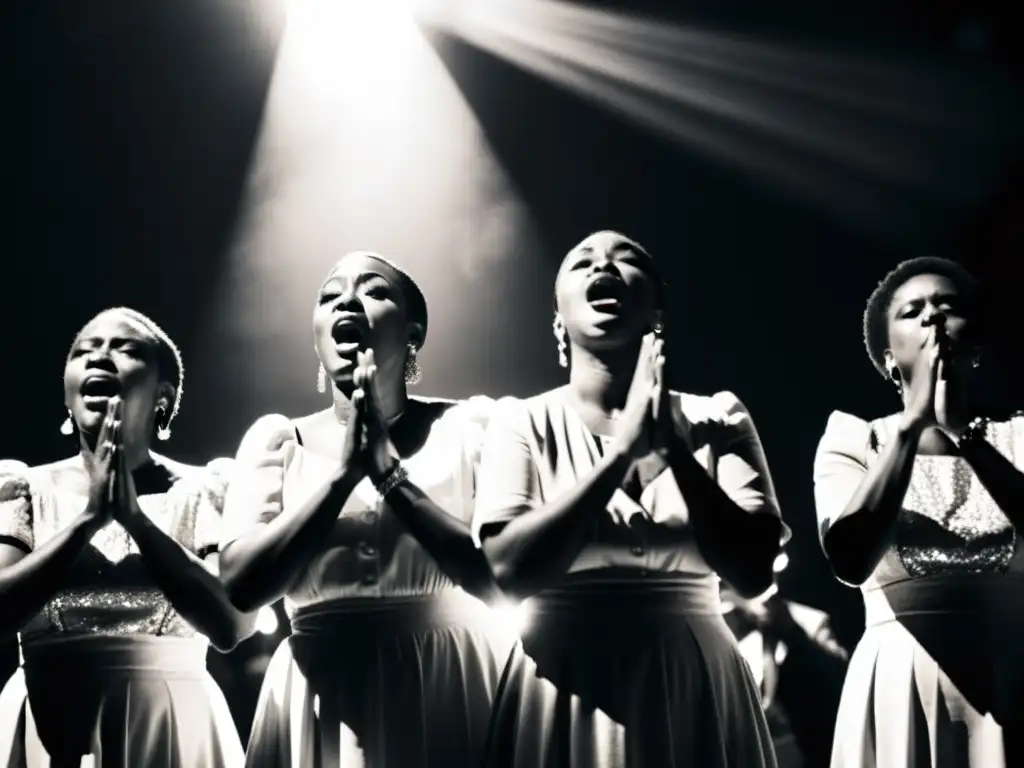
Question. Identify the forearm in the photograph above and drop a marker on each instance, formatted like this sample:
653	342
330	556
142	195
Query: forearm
859	537
26	585
1003	481
257	568
446	539
738	545
193	591
537	547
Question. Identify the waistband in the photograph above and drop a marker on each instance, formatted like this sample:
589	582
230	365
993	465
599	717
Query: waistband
982	596
383	614
656	597
106	655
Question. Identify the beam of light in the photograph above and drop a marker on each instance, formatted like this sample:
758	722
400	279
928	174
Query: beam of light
366	143
832	127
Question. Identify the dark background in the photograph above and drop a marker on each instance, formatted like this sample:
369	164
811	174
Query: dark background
130	128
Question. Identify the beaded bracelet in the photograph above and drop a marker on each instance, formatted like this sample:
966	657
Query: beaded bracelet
394	477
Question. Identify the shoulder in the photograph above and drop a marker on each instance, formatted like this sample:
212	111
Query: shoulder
473	411
721	408
271	431
14	480
842	428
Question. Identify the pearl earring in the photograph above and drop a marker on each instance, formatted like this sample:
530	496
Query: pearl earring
68	427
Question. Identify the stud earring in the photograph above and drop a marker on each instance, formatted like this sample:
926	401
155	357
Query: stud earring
321	380
68	427
413	373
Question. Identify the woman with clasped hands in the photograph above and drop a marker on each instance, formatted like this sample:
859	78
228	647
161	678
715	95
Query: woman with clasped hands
613	505
922	510
359	516
108	564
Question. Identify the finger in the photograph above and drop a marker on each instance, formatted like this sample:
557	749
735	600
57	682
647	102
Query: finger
371	361
359	377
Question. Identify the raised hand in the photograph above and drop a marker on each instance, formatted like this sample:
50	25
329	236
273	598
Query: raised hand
919	410
126	500
639	435
380	454
102	467
352	445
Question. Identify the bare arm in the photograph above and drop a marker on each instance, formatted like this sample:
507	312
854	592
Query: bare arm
858	505
189	584
531	546
28	580
736	521
258	567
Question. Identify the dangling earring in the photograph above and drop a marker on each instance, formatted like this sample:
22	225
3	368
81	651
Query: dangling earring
976	362
558	326
657	326
68	427
894	376
413	374
321	380
163	432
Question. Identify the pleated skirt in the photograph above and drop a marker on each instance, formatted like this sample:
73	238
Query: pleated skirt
937	680
379	683
116	702
628	676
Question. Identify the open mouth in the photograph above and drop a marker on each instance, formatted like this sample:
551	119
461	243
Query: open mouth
100	387
606	292
347	333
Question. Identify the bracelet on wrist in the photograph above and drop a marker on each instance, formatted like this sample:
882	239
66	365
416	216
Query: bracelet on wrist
390	481
972	433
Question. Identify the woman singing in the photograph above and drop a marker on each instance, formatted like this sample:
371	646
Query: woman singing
359	516
922	510
107	570
615	505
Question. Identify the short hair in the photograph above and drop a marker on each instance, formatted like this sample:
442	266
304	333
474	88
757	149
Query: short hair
876	326
660	286
415	301
168	358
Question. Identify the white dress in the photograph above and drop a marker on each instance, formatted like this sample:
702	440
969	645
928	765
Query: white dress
627	662
937	679
111	675
389	664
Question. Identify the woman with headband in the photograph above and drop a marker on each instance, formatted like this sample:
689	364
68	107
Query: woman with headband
359	516
108	566
614	505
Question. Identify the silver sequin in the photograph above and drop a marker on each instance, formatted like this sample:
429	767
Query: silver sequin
972	534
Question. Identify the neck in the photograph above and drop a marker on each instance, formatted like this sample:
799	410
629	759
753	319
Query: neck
136	451
602	379
390	392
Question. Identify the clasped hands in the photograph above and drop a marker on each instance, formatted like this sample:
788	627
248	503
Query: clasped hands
367	447
934	398
112	494
650	430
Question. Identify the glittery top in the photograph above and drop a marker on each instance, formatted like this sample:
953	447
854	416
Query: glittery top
949	522
109	590
369	553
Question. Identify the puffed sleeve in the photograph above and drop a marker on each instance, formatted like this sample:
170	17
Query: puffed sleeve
209	517
478	411
742	467
16	504
840	464
506	479
254	493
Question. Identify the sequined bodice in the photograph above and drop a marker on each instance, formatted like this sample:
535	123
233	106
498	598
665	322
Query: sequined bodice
949	521
109	589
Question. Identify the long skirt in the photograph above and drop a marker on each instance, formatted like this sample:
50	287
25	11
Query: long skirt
379	683
116	702
628	676
937	680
